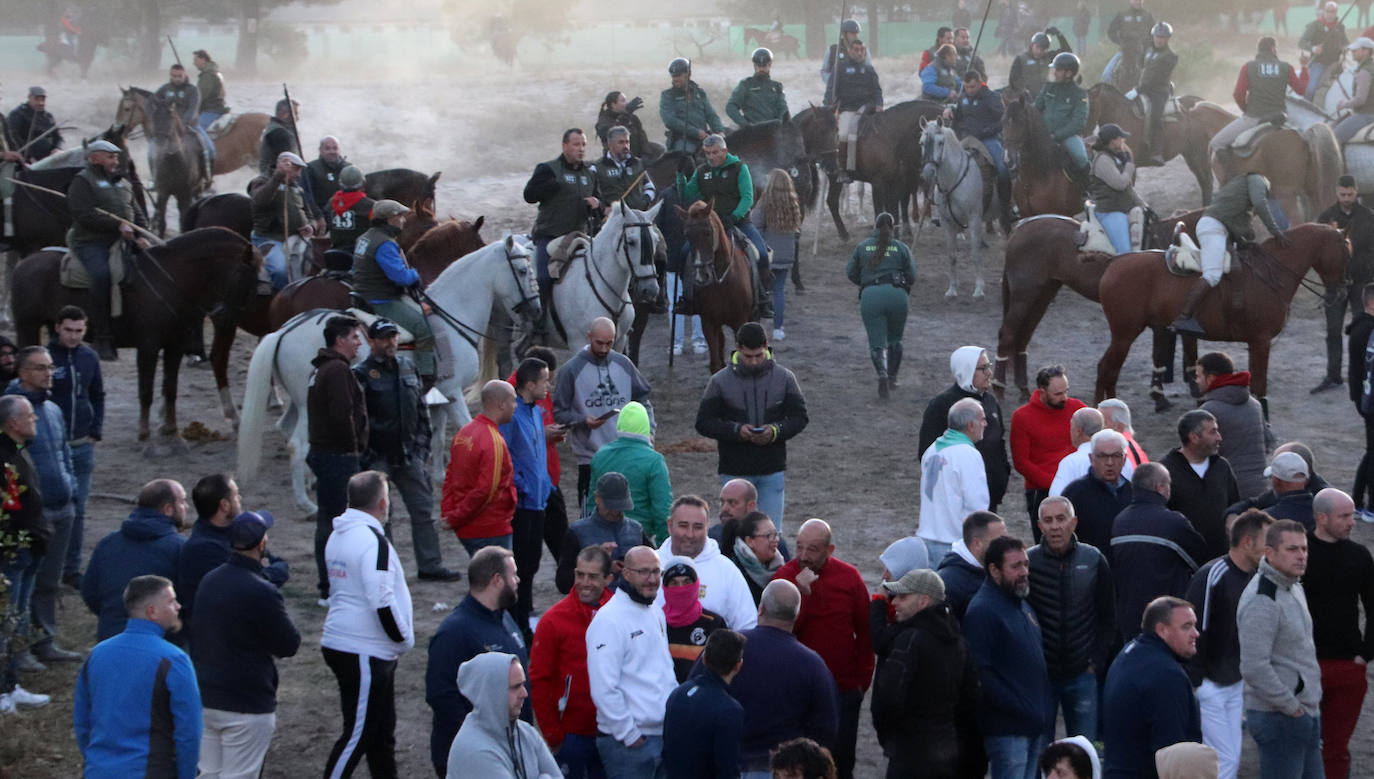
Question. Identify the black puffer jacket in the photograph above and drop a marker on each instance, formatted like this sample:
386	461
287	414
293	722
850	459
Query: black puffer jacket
739	396
1072	596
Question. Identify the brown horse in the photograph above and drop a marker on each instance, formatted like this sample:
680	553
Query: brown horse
1039	184
720	272
1250	304
1299	165
1187	137
779	42
237	145
177	167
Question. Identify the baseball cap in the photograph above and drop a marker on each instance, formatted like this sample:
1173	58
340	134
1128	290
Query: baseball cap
293	158
1288	466
679	566
41	92
382	327
249	528
921	581
614	491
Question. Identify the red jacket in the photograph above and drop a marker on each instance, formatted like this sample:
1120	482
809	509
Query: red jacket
1040	439
479	485
555	467
558	667
834	622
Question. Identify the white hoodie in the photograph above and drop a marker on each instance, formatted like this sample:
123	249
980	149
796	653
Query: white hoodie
629	668
723	588
365	577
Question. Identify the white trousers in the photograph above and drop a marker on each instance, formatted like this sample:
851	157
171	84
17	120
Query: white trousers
1211	236
1222	711
233	745
848	132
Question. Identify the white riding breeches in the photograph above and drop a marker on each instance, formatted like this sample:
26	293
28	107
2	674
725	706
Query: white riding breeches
1211	236
849	133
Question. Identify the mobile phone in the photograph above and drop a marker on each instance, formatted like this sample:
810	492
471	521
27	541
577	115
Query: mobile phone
609	414
757	429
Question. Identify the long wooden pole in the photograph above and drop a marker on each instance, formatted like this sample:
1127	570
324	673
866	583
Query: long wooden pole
140	230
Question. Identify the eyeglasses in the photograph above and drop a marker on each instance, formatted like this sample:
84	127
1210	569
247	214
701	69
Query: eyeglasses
773	536
49	368
1109	455
984	367
651	573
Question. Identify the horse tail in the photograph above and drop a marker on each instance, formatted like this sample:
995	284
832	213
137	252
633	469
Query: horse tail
487	369
259	386
1324	166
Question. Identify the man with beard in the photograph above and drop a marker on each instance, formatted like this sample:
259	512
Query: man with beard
972	369
480	623
968	60
147	544
1040	435
1202	482
1357	221
617	170
137	708
1004	637
30	124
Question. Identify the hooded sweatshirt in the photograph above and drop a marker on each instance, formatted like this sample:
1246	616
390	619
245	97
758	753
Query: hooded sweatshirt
147	543
632	455
963	363
369	602
590	386
723	588
954	484
490	743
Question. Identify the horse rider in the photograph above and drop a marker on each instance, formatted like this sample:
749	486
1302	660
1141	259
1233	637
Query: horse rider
29	121
323	172
940	81
1156	86
686	110
179	95
103	212
382	277
839	52
884	271
1112	185
565	189
350	209
211	86
978	113
943	37
1260	90
1361	102
968	60
724	182
618	109
1229	214
1031	68
617	170
855	92
1131	30
1064	106
1324	37
278	213
758	98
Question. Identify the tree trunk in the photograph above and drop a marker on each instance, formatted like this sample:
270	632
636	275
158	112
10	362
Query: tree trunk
151	43
872	37
817	41
247	54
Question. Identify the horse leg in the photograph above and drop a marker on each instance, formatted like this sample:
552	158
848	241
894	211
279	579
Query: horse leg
952	245
1197	157
715	343
219	365
975	249
171	364
1189	363
300	447
1259	383
1163	352
160	217
1109	367
832	200
637	335
797	285
147	367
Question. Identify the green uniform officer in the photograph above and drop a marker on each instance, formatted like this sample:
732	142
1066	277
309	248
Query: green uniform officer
883	269
381	276
759	98
1064	106
686	111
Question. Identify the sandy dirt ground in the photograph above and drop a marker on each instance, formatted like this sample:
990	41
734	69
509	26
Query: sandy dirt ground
855	465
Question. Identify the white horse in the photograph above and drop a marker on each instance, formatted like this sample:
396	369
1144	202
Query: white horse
958	195
461	300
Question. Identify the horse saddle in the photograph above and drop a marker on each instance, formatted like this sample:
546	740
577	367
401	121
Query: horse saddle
222	125
1184	258
1245	144
72	274
986	166
742	241
367	317
563	250
1363	135
1172	110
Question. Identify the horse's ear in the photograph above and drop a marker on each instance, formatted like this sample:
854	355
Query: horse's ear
653	212
681	212
477	225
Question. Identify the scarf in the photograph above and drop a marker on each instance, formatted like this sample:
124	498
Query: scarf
629	589
682	604
1237	379
749	563
342	201
952	437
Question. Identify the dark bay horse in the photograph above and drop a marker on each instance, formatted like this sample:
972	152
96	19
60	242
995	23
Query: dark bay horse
1039	184
57	51
779	42
410	188
724	291
1302	168
778	144
1250	304
169	290
1187	137
178	153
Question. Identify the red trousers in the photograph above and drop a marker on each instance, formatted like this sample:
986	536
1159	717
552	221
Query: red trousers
1343	687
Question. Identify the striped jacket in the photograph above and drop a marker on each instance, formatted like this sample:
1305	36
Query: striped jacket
479	486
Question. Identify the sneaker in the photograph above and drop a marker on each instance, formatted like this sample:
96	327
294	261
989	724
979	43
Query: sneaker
6	704
28	664
677	349
1364	515
22	697
699	345
778	334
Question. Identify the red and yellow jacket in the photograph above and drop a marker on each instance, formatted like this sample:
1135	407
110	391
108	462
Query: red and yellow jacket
479	486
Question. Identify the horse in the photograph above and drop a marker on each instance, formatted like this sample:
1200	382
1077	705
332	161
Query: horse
168	290
1187	137
720	273
664	170
958	182
1043	254
237	145
776	144
779	42
231	210
1039	183
83	55
461	298
1299	165
1250	304
178	165
410	188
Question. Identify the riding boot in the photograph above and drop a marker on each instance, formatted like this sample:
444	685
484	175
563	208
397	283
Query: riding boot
842	176
763	289
894	362
879	357
1186	323
686	301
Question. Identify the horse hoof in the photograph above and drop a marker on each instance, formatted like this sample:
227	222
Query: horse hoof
951	293
164	447
1162	403
978	291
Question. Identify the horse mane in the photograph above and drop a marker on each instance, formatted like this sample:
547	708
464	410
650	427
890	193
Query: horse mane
442	239
450	275
1039	144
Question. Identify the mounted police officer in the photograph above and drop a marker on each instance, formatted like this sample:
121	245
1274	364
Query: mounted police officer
839	52
278	214
758	98
617	169
350	210
382	277
1031	68
1064	106
1260	90
978	113
29	121
1131	30
1156	86
1230	213
211	86
854	91
565	189
179	95
102	208
686	111
940	81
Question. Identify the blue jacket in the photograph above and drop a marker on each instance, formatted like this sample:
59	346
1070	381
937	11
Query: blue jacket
79	390
1004	638
468	631
206	550
1154	552
930	87
147	543
1147	704
393	264
524	435
51	455
961	583
242	625
701	728
979	116
137	708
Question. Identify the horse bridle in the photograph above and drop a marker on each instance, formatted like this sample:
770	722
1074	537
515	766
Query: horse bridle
646	259
470	333
963	173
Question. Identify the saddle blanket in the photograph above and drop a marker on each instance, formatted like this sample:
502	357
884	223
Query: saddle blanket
1245	144
563	249
1093	236
221	125
1185	258
1363	135
72	274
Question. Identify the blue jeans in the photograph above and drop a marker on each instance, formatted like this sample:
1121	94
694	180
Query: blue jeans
1346	128
1013	757
1078	153
1314	77
541	263
1280	218
1289	747
273	258
22	573
473	545
936	550
83	462
1078	697
578	758
779	296
332	472
207	144
47	588
642	762
95	257
682	324
1118	227
207	118
994	147
755	237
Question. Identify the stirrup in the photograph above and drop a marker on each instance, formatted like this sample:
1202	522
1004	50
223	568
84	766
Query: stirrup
1187	326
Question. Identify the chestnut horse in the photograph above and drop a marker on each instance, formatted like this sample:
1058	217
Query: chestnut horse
1250	304
1039	183
724	289
237	145
1187	137
1298	165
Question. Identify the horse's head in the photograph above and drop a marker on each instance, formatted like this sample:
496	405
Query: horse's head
130	112
1330	255
522	295
704	231
932	147
820	134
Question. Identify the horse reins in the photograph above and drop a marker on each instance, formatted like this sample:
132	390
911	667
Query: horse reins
646	244
470	333
968	156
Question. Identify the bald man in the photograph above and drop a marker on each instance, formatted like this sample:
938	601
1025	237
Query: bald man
479	485
739	497
592	388
1083	425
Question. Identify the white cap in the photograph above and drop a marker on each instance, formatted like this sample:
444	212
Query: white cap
1362	42
291	157
1288	466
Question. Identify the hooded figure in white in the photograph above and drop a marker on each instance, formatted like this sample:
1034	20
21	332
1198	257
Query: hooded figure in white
971	382
494	743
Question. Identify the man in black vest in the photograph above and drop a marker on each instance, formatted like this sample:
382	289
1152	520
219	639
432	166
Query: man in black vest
724	182
382	277
1259	92
566	191
618	169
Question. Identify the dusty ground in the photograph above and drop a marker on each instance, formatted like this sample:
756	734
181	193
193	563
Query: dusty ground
854	466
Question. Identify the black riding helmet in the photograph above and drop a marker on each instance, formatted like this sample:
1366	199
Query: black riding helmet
679	66
1040	39
1066	60
849	25
1163	30
761	56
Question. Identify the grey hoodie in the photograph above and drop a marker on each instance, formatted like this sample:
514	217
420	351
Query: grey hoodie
490	744
1278	658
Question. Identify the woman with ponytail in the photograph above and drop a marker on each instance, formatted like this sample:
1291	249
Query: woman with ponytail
778	217
882	268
